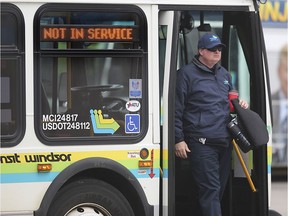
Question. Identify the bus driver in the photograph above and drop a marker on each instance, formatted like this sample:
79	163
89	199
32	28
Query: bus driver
201	118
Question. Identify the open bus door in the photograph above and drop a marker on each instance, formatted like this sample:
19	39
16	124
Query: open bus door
244	57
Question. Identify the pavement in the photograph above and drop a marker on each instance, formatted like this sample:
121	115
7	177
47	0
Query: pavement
279	197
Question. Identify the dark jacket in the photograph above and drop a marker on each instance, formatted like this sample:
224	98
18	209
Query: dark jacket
202	105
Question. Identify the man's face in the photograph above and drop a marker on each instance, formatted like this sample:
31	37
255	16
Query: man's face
211	56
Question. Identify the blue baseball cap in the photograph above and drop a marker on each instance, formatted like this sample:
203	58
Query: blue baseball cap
209	40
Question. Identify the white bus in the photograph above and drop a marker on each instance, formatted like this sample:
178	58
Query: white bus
87	105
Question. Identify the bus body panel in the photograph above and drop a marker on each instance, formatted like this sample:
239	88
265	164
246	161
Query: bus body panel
19	164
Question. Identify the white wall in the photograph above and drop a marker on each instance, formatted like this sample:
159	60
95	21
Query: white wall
275	39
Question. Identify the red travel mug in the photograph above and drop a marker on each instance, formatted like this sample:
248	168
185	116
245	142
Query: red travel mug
232	95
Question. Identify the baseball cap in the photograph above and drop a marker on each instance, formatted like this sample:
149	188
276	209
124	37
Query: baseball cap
209	40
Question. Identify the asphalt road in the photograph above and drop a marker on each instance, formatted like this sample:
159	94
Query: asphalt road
279	197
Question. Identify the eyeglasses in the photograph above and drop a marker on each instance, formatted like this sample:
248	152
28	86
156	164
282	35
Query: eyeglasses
214	49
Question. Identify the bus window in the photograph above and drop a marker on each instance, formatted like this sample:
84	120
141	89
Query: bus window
12	75
91	73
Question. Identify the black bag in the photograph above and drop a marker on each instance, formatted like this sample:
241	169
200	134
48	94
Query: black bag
251	124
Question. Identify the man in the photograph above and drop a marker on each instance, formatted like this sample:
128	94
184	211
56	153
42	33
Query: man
201	119
280	112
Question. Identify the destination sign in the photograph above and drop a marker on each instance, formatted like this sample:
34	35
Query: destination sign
87	33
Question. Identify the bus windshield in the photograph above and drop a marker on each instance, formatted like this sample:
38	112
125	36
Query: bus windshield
91	65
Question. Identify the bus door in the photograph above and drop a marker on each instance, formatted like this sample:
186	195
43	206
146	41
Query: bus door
240	30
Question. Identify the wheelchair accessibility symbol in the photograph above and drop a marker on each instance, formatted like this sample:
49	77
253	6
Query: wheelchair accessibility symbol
132	123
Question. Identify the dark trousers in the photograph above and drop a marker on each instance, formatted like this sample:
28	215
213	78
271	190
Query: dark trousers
211	167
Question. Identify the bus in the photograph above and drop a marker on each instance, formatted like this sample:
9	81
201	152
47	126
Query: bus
87	105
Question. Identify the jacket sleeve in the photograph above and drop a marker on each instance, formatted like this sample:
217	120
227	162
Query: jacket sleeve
180	101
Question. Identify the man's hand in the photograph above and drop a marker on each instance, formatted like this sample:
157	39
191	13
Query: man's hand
243	104
181	149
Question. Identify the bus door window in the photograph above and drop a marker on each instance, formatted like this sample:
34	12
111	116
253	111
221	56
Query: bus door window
93	70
